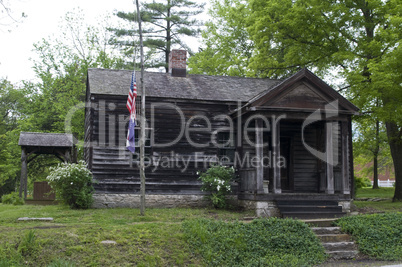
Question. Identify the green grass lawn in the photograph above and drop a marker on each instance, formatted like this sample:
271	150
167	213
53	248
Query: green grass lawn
382	192
75	236
377	206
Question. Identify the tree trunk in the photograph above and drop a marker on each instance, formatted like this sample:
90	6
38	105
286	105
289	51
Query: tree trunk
395	143
377	150
168	39
375	178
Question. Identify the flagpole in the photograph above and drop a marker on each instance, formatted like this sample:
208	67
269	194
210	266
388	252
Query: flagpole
142	118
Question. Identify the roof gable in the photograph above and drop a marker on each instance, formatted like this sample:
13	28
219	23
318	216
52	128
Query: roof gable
304	90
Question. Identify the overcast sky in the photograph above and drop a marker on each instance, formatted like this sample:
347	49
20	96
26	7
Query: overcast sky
43	19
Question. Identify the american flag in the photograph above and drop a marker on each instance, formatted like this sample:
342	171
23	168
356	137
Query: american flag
132	95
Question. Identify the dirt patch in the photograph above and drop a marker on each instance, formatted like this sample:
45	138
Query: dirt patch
47	227
368	210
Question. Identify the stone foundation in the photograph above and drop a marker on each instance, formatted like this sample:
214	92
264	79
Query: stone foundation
345	206
262	208
151	201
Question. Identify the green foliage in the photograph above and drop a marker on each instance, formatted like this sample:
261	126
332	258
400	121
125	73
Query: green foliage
12	198
156	239
359	41
9	256
73	183
264	242
370	142
61	263
15	103
56	102
226	46
165	23
377	235
216	181
28	245
361	182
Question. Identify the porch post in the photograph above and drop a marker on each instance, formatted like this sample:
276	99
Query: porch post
259	153
345	159
330	158
24	172
275	156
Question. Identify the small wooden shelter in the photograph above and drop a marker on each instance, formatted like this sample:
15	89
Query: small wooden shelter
34	144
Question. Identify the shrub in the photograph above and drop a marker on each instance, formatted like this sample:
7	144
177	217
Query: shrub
263	242
216	180
378	235
73	184
362	182
12	198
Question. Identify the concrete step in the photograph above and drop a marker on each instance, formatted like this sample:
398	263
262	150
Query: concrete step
342	255
310	208
326	230
313	215
304	202
339	246
332	238
322	222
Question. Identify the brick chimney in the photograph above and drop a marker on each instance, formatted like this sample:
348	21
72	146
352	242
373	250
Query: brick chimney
177	63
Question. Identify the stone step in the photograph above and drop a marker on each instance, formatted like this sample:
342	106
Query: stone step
342	255
322	222
339	246
326	230
332	238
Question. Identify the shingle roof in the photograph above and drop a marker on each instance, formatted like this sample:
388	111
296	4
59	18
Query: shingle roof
201	87
46	139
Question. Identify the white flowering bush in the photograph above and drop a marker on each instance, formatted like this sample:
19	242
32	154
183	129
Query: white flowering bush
72	182
216	180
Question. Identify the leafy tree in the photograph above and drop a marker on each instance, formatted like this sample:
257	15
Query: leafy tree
371	151
227	48
61	68
361	38
165	23
357	39
14	104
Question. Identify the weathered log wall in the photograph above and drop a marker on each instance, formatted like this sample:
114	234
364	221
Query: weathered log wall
169	168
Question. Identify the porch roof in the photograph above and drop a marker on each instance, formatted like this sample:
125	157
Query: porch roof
319	92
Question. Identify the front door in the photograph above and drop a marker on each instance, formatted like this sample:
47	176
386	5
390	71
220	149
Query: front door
286	164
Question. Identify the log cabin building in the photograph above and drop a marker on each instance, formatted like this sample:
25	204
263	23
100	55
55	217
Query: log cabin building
289	140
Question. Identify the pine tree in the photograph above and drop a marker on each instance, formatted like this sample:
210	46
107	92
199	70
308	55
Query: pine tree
165	23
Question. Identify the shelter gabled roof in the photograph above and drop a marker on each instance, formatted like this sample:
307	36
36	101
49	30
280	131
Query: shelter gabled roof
29	139
195	87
